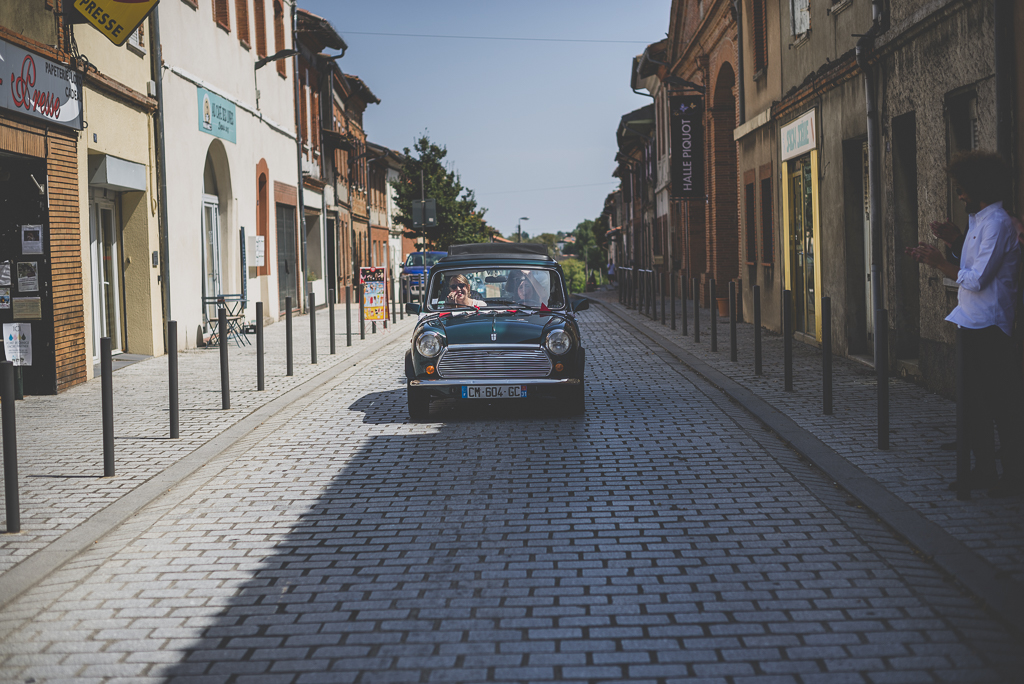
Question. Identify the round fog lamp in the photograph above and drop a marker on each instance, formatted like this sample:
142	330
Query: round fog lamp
430	370
558	342
429	344
559	368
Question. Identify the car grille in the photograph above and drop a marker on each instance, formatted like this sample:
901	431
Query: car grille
494	363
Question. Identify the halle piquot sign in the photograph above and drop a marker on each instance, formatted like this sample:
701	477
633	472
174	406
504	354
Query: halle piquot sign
116	19
687	146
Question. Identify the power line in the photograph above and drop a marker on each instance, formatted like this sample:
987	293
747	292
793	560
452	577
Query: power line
560	187
535	40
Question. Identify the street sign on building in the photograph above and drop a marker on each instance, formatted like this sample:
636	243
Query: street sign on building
35	86
687	137
798	136
115	19
216	115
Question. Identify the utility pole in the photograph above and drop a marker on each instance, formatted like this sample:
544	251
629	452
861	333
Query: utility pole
298	151
519	229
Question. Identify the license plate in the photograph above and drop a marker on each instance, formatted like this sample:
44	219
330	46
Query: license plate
494	391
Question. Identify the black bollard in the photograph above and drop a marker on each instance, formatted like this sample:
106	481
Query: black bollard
757	330
661	287
394	302
401	300
696	312
11	502
787	338
288	335
330	319
348	315
172	375
826	355
963	445
107	391
225	380
312	328
714	315
362	314
672	296
682	301
732	321
259	347
882	375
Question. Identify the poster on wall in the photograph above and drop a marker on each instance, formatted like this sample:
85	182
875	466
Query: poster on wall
28	276
18	343
5	272
374	293
5	298
687	138
31	239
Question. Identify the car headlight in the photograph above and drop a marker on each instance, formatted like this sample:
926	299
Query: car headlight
428	344
558	342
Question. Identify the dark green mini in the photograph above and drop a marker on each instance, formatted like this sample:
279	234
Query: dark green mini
497	323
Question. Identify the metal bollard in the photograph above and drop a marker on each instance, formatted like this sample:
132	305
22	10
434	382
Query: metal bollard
288	335
259	347
732	321
757	330
362	314
225	380
963	445
682	301
787	338
11	501
330	320
348	315
696	312
672	296
661	287
172	376
882	374
312	328
401	300
826	355
107	391
394	303
714	315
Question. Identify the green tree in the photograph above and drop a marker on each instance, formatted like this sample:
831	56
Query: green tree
459	219
549	240
575	275
590	245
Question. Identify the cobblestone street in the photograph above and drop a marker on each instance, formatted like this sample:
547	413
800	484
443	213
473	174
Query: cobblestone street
667	535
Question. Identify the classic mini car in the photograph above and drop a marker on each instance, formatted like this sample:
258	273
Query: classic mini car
497	324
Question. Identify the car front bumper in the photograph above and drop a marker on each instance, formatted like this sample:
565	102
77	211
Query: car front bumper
442	383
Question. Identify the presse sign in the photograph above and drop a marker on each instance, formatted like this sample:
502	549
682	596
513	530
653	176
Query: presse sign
35	86
115	19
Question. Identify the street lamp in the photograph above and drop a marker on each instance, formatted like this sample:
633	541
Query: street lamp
520	227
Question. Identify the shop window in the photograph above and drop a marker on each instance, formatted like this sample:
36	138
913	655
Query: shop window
259	17
767	220
749	217
760	31
279	36
242	19
221	14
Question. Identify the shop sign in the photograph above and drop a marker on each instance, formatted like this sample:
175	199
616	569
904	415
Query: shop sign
115	19
375	293
18	343
216	115
35	86
799	136
687	120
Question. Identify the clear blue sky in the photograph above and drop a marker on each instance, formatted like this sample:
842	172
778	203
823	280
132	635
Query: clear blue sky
517	117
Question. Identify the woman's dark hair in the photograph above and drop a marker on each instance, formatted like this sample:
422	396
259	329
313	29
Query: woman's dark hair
983	176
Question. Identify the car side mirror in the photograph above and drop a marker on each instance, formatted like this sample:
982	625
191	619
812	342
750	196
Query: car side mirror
580	305
411	308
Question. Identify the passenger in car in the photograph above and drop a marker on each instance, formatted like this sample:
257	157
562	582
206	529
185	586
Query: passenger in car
459	292
524	288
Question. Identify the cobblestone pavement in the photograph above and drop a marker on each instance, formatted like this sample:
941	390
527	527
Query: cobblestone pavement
914	468
664	536
60	438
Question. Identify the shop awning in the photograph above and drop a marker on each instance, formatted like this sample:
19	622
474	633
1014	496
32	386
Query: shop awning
119	175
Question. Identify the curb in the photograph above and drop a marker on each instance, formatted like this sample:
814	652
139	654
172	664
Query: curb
1002	596
36	567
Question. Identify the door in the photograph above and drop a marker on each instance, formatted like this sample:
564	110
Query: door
106	275
802	246
211	252
287	263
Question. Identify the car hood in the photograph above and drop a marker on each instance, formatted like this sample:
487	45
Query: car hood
518	328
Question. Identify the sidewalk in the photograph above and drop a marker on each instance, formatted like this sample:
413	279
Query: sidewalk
65	501
980	542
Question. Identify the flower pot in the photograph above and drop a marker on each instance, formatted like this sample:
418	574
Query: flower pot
723	306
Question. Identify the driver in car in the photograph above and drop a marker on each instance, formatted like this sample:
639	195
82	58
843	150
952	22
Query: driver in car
459	292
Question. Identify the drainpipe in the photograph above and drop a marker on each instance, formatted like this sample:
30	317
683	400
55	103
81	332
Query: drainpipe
737	12
864	46
298	155
1004	68
165	247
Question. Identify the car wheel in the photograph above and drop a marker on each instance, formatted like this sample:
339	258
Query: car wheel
419	404
576	402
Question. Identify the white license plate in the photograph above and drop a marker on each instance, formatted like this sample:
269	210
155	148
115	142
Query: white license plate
494	391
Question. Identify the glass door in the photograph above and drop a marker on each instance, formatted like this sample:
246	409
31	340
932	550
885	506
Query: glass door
211	252
802	246
106	295
287	262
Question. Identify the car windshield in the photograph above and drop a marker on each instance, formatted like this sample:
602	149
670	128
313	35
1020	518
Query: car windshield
416	258
496	288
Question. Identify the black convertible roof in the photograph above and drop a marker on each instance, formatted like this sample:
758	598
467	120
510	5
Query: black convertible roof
503	251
